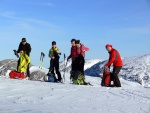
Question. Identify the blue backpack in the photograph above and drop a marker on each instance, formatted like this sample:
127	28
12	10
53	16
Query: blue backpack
49	78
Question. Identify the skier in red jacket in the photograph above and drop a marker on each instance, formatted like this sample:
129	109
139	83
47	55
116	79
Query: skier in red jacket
73	54
115	59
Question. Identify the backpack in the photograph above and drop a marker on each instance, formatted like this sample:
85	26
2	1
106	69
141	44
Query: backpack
106	80
49	78
78	78
16	75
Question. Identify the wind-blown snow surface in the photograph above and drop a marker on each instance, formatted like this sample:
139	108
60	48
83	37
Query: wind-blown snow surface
22	96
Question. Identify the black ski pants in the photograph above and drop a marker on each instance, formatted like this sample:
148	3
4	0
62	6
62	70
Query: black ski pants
54	65
73	65
79	63
114	76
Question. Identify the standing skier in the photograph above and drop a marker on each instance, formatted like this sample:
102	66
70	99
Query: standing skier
80	61
26	48
73	54
54	62
115	59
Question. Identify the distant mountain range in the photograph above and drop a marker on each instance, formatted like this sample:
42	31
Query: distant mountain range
134	68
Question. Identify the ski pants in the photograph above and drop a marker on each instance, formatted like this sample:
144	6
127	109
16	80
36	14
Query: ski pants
80	61
54	65
73	65
114	76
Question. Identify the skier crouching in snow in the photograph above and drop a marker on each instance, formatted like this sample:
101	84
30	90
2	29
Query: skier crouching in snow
80	61
54	62
26	48
115	59
73	55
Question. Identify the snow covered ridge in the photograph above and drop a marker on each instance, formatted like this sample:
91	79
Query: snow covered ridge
134	69
137	69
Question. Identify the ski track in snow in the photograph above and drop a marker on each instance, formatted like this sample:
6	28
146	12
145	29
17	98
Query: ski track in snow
21	96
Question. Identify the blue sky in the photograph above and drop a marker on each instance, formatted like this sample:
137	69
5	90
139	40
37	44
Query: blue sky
123	23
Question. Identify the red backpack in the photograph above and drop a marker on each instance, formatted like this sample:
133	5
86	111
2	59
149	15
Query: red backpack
106	80
16	75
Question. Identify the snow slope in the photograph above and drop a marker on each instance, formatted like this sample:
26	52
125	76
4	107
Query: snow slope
134	69
22	96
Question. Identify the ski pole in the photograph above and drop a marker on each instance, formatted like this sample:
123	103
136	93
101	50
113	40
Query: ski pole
40	60
64	67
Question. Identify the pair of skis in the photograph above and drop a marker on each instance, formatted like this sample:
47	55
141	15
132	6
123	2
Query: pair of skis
65	66
41	60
